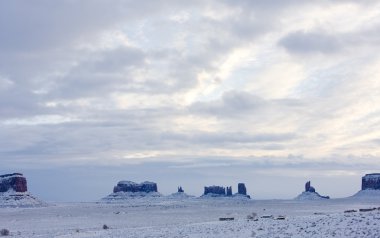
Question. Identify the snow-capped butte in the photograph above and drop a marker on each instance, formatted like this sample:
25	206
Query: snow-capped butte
128	189
370	187
14	192
371	181
129	186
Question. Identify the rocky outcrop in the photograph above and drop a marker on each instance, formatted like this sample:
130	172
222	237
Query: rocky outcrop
219	191
310	194
14	192
309	188
179	195
215	190
242	189
129	186
13	182
370	187
125	190
229	191
371	181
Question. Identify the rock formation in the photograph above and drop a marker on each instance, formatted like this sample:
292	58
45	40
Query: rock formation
229	191
128	189
15	182
219	191
242	189
215	190
310	193
129	186
370	187
179	195
309	188
14	192
371	181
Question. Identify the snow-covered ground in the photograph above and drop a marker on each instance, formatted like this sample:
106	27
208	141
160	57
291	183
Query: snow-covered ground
17	199
197	217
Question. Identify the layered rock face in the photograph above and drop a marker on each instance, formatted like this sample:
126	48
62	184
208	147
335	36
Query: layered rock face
14	192
371	181
13	182
129	186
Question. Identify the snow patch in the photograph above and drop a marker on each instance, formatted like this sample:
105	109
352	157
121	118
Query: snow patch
127	183
122	196
179	195
372	176
310	196
17	199
367	194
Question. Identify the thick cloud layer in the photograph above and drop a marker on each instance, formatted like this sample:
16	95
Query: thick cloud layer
100	83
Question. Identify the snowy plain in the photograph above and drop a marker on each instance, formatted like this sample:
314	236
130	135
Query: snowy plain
177	216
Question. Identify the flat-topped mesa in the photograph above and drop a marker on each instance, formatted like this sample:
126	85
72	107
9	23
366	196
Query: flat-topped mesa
14	192
125	190
215	190
371	181
13	182
129	186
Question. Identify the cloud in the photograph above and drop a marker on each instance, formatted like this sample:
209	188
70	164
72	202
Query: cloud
204	139
310	42
44	26
238	104
100	73
189	82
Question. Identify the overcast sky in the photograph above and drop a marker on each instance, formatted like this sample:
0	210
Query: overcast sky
268	92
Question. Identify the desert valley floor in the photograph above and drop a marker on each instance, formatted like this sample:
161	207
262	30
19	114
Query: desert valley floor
196	217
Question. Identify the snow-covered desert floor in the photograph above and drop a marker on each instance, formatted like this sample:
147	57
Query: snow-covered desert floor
196	217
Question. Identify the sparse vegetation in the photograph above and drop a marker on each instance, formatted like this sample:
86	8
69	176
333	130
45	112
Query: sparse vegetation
350	211
4	232
252	216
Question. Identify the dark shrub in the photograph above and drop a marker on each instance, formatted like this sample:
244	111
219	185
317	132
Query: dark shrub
4	232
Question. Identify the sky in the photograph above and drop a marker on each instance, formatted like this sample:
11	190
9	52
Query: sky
272	93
